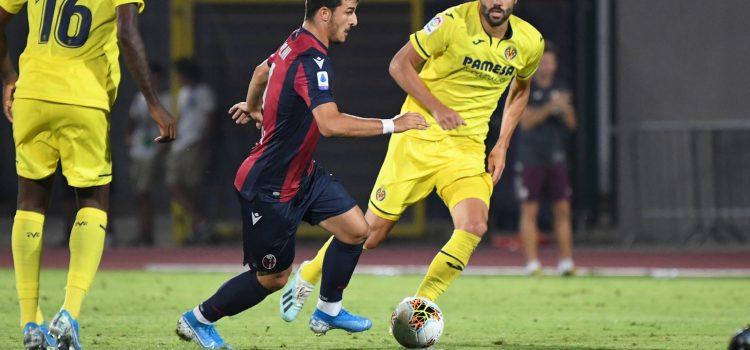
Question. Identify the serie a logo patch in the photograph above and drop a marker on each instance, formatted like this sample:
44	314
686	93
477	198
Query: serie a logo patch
323	83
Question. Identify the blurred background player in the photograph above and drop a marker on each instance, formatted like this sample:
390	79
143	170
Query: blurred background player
458	96
542	166
279	184
59	107
145	156
188	156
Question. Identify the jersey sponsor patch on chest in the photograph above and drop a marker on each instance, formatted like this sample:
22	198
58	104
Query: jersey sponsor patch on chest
323	83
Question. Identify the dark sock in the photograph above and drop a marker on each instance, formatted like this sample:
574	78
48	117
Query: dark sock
338	266
234	296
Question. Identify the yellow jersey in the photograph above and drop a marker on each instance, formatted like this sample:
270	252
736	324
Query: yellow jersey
467	70
71	53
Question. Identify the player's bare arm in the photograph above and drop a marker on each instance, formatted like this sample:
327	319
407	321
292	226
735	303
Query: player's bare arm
251	109
7	72
332	123
518	96
404	70
134	53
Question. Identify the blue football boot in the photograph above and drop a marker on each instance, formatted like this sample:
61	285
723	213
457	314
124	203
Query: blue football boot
205	335
50	342
320	322
33	337
65	330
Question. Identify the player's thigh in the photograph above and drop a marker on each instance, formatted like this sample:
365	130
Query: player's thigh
349	227
468	199
464	176
406	177
268	233
36	144
333	209
85	153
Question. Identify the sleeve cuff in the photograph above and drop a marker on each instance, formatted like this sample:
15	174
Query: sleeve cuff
418	46
140	3
319	101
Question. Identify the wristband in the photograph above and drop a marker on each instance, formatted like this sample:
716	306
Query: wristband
388	126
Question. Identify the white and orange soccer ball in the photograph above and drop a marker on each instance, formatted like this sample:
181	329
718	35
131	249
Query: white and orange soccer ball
417	323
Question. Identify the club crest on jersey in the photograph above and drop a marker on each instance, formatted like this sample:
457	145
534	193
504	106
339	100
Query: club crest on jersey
323	81
511	53
380	194
433	25
269	261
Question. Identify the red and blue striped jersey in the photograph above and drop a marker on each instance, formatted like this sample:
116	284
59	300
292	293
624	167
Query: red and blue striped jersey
299	80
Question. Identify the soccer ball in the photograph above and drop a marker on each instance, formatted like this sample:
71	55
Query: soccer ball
417	323
741	340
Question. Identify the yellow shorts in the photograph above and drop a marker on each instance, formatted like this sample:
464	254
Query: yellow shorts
45	132
413	167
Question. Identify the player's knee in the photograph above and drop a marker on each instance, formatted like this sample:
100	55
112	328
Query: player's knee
274	282
31	204
360	233
478	228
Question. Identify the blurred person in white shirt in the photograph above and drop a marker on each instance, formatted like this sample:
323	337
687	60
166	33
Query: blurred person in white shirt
145	155
188	158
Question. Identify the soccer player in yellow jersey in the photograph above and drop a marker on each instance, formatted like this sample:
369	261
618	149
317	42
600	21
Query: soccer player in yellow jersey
454	70
59	107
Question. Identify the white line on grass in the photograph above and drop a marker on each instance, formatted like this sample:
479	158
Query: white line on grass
396	270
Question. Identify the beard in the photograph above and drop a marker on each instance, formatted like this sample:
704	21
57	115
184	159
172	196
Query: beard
338	36
495	22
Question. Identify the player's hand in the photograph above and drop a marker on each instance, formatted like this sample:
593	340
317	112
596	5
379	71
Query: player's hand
242	114
447	118
409	121
8	89
496	163
167	124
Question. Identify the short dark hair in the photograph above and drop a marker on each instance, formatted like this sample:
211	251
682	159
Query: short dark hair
188	68
312	7
550	47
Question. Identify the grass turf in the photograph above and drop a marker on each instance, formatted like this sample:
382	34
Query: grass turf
138	310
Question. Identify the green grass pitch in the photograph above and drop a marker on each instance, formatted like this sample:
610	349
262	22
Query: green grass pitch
138	310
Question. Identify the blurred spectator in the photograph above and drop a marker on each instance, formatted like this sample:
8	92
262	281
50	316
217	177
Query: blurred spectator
145	155
542	166
188	156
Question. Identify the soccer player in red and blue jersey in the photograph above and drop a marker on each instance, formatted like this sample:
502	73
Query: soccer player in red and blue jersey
279	184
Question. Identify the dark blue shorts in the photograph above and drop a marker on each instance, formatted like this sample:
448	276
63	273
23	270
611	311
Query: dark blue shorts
269	227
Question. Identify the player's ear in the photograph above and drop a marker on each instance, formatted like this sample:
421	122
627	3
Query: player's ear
325	14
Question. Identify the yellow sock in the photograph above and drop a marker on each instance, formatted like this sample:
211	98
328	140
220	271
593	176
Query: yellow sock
448	264
39	315
27	252
313	271
86	246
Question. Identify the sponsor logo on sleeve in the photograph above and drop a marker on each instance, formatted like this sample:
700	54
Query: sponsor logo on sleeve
433	25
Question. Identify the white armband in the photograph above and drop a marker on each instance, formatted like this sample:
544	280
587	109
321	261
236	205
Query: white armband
388	126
